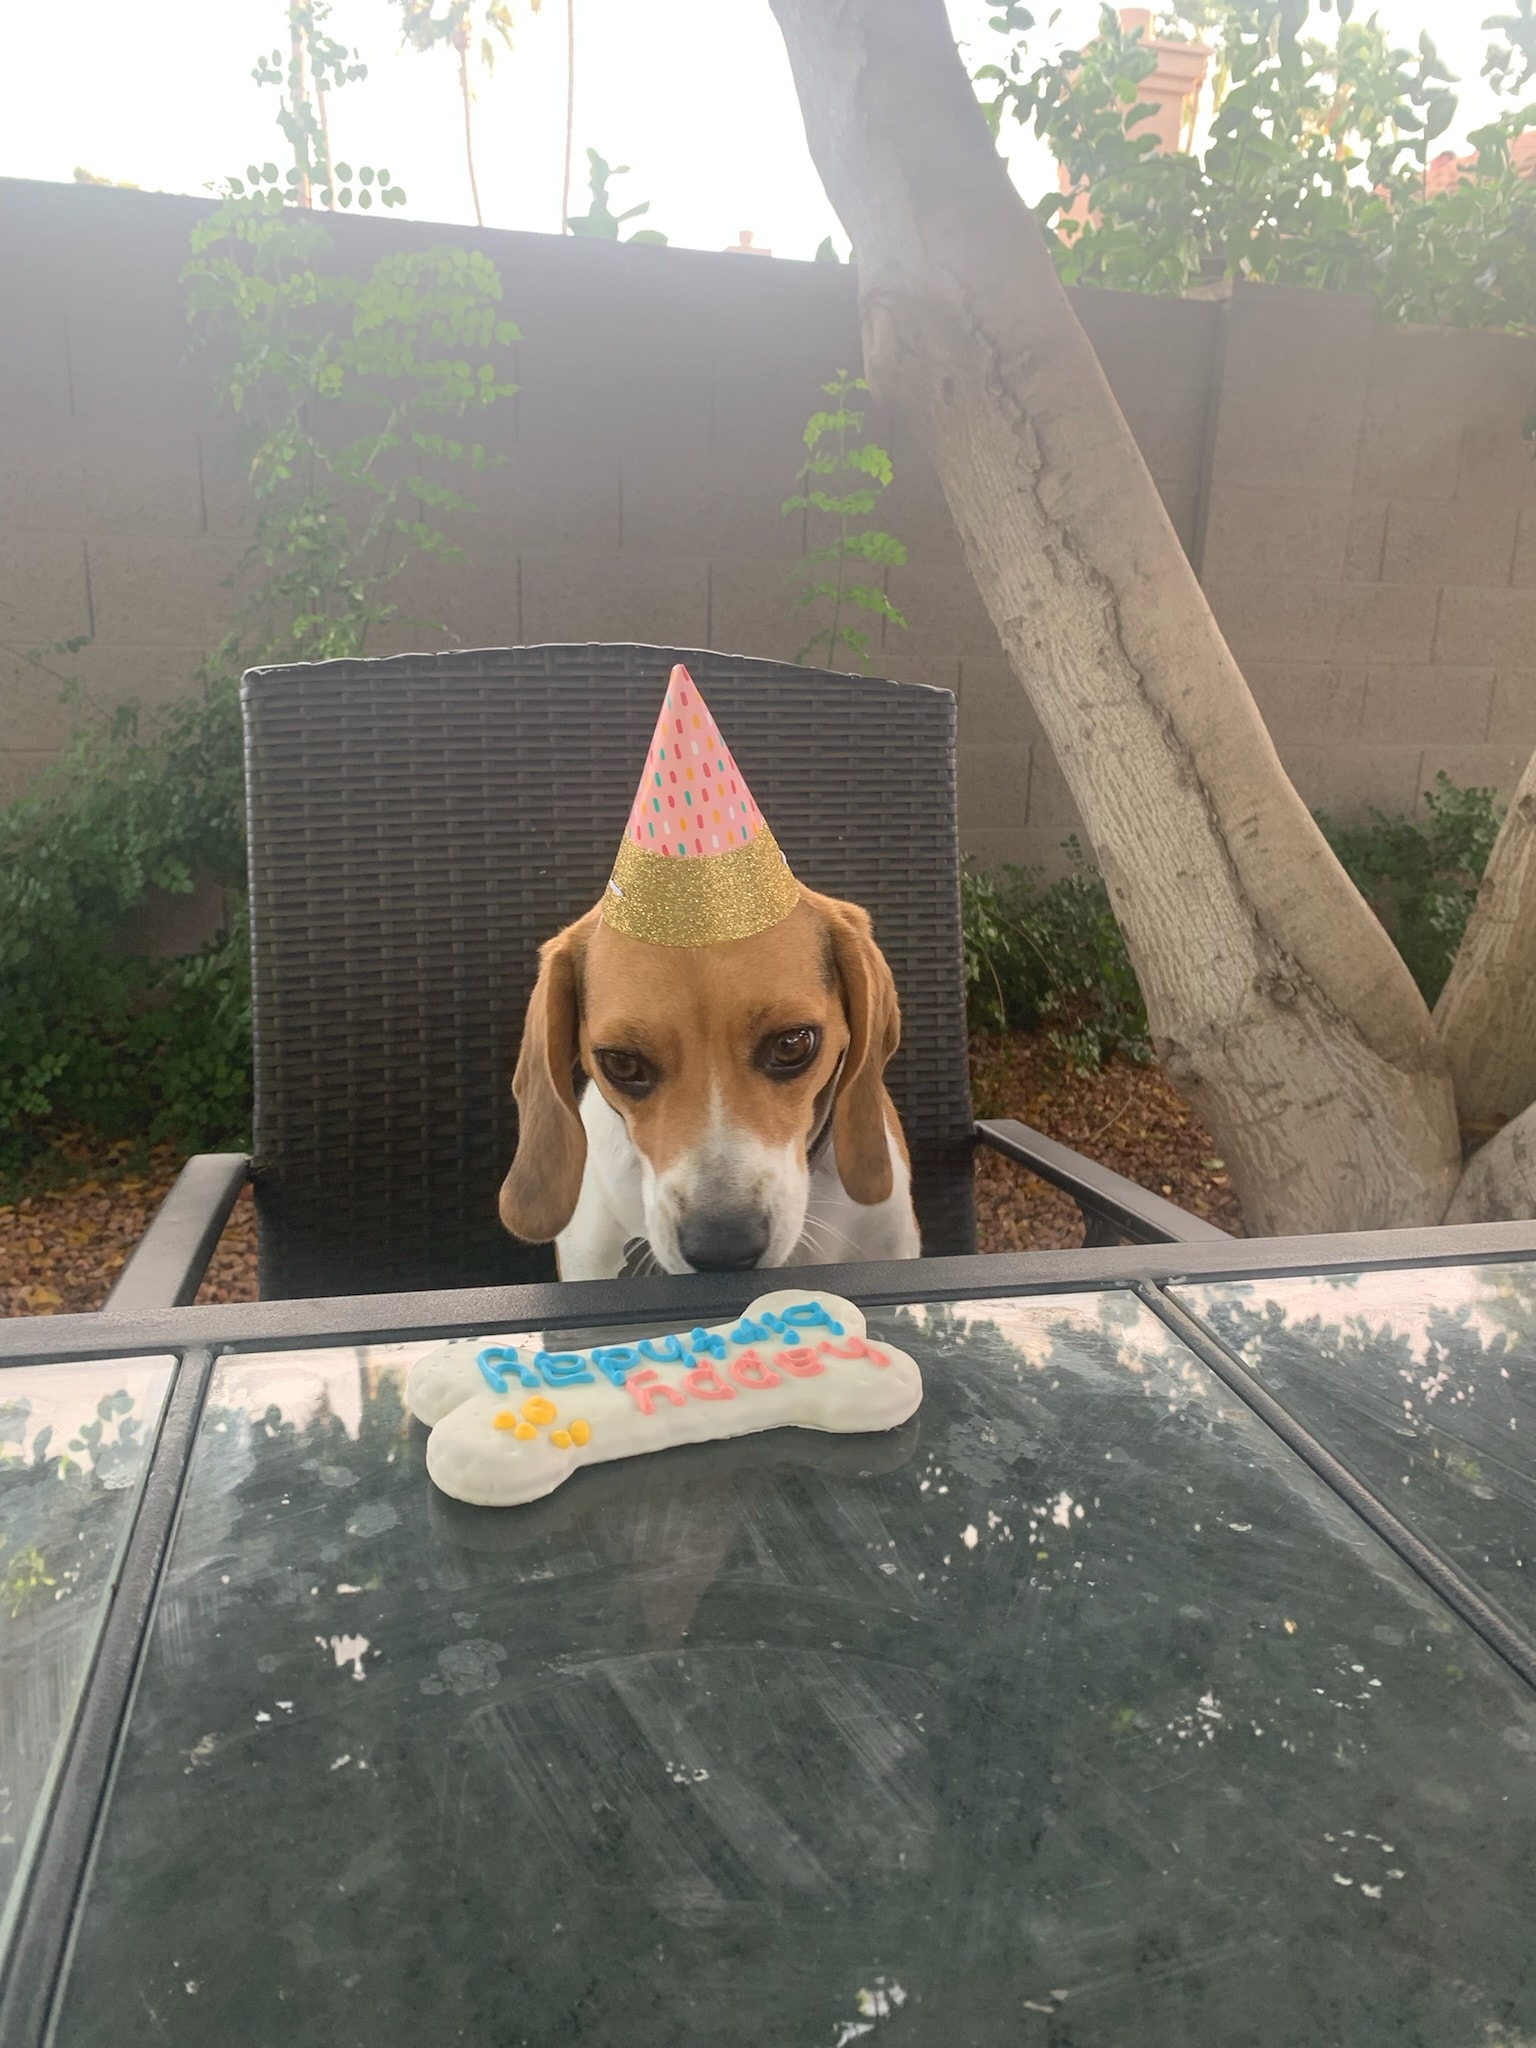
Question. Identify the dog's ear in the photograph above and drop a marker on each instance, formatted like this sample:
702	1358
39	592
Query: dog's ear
538	1196
874	1024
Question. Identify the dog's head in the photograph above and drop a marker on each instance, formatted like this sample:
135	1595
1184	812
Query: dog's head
724	1062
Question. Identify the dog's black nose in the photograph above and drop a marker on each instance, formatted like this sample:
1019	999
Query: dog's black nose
725	1242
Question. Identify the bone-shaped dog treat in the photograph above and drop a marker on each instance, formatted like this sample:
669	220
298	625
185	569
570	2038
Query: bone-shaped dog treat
510	1420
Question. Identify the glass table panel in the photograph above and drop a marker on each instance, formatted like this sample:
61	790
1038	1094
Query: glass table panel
1424	1382
1075	1712
74	1446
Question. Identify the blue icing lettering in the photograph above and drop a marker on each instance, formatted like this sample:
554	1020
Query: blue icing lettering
673	1351
810	1315
563	1369
748	1332
616	1361
496	1361
775	1323
708	1341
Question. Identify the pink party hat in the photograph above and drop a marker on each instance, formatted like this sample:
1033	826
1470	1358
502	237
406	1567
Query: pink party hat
698	863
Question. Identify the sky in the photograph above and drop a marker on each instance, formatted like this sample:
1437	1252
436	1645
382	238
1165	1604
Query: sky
694	95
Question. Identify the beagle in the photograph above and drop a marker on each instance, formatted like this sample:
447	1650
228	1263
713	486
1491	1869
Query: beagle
735	1112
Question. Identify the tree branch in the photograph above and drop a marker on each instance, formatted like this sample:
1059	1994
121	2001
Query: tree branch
1486	1014
1500	1180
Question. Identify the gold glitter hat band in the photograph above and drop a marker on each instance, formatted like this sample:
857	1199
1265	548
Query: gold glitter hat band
680	901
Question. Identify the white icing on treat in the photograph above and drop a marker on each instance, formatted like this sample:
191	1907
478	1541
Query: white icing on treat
511	1420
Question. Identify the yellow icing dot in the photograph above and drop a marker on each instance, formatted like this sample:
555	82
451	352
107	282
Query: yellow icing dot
561	1438
525	1430
539	1410
581	1432
505	1420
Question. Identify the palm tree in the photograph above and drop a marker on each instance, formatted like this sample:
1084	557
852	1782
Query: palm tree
424	28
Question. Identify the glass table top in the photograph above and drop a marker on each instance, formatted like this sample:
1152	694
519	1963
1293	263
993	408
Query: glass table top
1424	1382
1074	1712
74	1445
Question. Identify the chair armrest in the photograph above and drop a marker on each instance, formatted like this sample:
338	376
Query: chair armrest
166	1267
1113	1207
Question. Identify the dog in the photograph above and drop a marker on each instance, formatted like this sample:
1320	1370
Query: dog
734	1112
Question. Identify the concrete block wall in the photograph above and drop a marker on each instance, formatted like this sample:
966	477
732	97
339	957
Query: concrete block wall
1357	498
1369	546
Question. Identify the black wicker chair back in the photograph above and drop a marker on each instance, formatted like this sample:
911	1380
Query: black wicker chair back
419	825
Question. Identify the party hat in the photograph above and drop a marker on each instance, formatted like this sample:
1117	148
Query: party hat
698	863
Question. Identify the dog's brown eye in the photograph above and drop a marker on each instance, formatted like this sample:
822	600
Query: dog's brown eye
790	1052
628	1071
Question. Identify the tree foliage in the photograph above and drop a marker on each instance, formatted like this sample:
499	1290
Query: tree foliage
1313	171
315	66
600	223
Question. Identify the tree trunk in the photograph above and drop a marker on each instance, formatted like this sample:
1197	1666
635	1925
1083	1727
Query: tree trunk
462	43
298	92
570	113
1487	1011
325	140
1500	1180
1277	1003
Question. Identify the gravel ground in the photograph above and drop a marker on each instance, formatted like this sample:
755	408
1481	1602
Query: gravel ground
61	1247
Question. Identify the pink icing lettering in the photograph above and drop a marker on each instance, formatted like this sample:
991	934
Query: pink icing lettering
755	1373
855	1347
802	1362
705	1384
646	1385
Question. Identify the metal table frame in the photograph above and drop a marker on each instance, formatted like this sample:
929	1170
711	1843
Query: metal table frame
38	1955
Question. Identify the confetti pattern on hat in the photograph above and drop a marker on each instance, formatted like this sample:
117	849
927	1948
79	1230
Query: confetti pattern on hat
697	864
692	799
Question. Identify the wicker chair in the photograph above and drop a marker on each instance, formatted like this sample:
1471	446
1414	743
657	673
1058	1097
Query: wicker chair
418	825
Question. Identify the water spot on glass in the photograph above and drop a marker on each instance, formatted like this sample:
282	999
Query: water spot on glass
200	1753
373	1518
466	1667
335	1475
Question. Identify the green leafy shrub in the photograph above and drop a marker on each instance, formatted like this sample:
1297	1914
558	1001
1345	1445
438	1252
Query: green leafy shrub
1048	957
1421	878
335	384
835	449
90	1035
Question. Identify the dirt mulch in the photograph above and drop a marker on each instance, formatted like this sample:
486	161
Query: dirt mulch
1125	1116
62	1246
